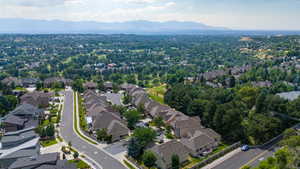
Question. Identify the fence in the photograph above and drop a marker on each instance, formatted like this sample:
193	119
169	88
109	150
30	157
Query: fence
216	156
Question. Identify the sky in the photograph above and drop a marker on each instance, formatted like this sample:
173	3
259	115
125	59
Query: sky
234	14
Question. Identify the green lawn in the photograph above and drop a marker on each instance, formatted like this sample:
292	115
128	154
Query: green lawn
157	93
54	119
48	143
45	123
75	121
80	164
128	164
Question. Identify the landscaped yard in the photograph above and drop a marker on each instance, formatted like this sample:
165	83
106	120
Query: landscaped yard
157	93
80	164
47	143
45	123
193	161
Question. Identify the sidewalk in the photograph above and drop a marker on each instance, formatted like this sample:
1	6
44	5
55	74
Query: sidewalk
222	159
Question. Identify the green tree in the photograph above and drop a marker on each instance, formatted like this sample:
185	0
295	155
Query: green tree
149	159
50	130
261	128
76	155
197	107
78	85
260	102
175	161
127	99
132	116
248	95
158	121
135	148
101	134
145	135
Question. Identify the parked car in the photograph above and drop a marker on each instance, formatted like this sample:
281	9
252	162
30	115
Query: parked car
245	148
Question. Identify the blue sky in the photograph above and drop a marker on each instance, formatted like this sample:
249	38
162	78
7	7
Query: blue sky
235	14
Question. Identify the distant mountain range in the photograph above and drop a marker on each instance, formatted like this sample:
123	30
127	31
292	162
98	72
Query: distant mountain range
131	27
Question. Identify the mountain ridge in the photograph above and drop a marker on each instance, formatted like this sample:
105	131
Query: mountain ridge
16	25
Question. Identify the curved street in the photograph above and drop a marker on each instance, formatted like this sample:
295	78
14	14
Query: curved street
102	159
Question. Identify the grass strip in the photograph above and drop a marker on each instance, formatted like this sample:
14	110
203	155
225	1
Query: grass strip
76	124
128	164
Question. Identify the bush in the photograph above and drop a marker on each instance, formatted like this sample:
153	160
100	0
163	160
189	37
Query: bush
76	155
149	159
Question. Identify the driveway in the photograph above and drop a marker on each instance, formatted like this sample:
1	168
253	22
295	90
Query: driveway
97	155
117	148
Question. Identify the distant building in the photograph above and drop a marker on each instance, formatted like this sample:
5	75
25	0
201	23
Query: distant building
289	95
60	80
29	82
9	81
262	84
90	85
108	85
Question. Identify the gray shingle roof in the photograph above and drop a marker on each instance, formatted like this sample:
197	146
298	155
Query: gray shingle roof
27	109
198	141
23	136
35	161
60	164
104	119
21	154
12	119
166	150
117	129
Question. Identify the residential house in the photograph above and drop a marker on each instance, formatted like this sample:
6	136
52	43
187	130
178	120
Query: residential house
90	85
262	84
20	150
113	123
24	116
37	98
60	80
103	116
29	82
108	85
9	81
13	123
127	87
187	127
13	139
201	143
165	151
28	111
45	161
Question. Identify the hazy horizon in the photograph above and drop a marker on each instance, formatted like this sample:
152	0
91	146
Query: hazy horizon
232	14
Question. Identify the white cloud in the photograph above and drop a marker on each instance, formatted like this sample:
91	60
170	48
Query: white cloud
122	14
137	1
38	3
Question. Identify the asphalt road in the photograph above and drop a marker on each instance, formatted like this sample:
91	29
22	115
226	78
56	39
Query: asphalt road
251	157
68	134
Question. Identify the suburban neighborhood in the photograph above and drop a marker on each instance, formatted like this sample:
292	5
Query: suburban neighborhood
125	101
